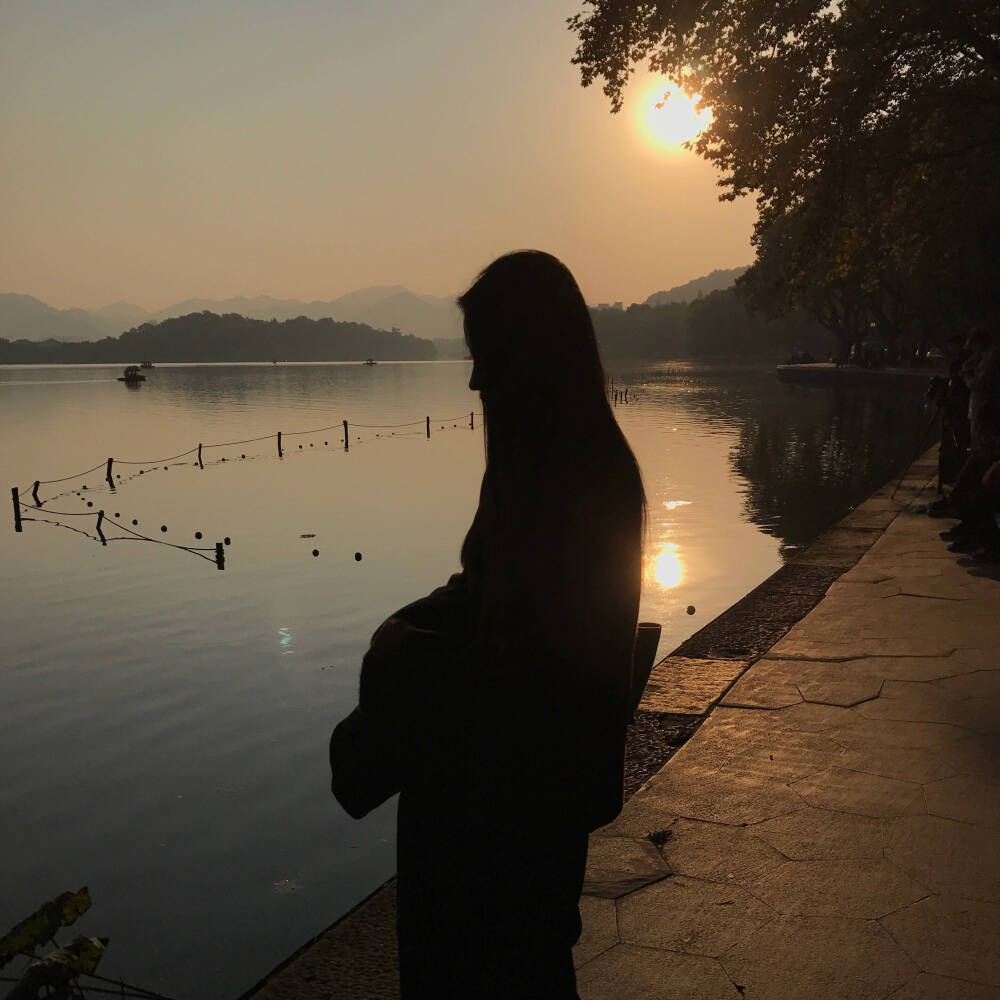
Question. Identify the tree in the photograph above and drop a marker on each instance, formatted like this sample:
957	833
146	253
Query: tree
867	130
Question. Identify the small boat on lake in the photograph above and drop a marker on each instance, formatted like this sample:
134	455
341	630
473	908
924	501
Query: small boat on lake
370	361
147	364
132	374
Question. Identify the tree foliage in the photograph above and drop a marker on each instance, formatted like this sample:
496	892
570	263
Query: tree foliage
714	325
205	337
867	130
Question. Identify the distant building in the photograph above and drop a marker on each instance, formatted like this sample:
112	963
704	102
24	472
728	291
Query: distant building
611	305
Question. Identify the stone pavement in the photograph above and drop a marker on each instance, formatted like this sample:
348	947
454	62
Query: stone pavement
833	828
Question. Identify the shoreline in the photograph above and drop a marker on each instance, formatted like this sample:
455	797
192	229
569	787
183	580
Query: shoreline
355	957
827	373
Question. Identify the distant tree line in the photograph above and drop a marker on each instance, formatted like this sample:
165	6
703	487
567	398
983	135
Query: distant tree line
868	131
715	325
205	336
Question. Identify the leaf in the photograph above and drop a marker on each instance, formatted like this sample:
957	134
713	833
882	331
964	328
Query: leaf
42	925
60	967
73	905
85	954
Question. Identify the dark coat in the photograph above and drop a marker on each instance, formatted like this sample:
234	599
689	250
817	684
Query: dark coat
505	737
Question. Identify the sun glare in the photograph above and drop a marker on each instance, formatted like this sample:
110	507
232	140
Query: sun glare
666	568
668	117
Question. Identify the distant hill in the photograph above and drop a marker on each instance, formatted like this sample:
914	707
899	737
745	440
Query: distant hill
381	307
452	348
714	282
206	336
119	316
713	325
23	317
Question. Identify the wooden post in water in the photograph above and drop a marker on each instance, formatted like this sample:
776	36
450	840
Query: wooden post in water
100	534
107	474
428	427
472	420
34	493
279	444
347	437
220	556
200	466
17	508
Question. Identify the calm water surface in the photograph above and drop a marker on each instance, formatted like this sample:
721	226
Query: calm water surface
164	724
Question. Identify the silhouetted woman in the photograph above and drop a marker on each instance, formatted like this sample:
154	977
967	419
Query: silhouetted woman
504	694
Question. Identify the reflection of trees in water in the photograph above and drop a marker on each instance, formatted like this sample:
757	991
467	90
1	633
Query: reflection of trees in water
807	464
807	454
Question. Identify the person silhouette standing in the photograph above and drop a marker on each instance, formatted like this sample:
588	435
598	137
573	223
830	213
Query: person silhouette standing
498	704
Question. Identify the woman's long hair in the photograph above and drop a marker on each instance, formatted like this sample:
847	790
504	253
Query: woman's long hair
560	476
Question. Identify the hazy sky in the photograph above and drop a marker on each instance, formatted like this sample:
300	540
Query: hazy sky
153	150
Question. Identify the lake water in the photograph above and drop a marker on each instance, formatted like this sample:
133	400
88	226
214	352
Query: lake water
163	725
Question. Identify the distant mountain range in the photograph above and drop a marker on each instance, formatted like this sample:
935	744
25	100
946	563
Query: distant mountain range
23	317
714	282
382	307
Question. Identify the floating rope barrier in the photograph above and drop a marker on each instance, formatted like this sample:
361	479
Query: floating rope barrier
150	465
230	444
65	479
84	989
318	430
155	461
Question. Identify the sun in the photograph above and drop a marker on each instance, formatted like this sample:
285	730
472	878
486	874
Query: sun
668	117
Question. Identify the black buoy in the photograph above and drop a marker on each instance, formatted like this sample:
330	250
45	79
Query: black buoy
326	442
84	487
197	534
315	552
165	468
134	521
117	514
690	609
357	557
163	527
140	473
300	447
242	456
90	503
226	539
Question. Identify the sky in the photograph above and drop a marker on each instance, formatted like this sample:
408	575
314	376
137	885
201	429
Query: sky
155	150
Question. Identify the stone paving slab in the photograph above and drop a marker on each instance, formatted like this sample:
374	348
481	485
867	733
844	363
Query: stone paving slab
683	685
833	828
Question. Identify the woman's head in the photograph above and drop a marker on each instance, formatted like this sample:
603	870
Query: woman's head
529	332
551	437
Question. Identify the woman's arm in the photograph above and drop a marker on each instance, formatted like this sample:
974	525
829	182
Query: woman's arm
415	654
411	659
